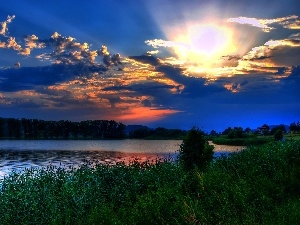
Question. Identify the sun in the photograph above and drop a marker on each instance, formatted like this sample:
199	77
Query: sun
207	39
204	43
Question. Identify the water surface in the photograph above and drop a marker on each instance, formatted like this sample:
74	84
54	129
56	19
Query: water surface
17	155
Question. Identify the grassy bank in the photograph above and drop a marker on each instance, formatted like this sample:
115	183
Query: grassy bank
242	141
259	185
251	139
294	137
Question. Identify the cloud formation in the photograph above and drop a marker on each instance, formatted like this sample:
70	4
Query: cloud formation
66	50
11	41
79	77
156	43
290	22
3	27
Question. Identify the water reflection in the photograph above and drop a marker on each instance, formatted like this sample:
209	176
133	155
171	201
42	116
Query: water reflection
19	155
12	160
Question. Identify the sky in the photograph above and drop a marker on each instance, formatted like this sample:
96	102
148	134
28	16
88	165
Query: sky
171	63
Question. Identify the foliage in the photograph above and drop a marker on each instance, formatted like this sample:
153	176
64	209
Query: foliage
295	127
97	195
226	131
236	132
251	140
280	127
140	133
156	134
195	150
13	127
2	122
259	185
278	135
266	129
247	130
213	133
63	129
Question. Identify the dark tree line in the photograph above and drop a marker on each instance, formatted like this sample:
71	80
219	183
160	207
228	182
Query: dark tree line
236	132
295	127
281	127
63	129
158	133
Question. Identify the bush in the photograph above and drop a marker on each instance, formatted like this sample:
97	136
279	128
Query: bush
195	151
278	135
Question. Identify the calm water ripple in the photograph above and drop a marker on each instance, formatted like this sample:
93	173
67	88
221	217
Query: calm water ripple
19	155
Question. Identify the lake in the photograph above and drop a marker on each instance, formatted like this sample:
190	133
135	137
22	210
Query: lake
16	155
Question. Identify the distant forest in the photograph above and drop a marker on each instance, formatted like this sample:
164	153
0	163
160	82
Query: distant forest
63	129
34	129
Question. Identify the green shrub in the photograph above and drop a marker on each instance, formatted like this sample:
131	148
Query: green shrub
195	150
278	135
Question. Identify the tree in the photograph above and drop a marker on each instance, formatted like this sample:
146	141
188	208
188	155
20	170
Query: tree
195	151
278	135
266	129
2	122
247	130
226	131
280	127
75	130
213	133
142	132
14	128
236	132
295	127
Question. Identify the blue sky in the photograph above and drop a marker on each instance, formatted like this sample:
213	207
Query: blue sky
177	64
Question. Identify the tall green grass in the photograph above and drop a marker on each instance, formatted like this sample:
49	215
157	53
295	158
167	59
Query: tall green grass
243	141
260	185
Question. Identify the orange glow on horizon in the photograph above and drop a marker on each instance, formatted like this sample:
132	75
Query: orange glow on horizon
145	114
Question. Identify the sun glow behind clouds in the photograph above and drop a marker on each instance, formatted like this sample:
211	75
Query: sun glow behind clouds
203	45
208	41
199	45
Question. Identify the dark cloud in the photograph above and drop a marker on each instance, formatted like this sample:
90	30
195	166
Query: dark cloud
286	55
116	59
231	57
146	59
245	82
281	70
188	87
113	100
146	103
27	104
28	78
258	58
193	87
295	73
292	83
